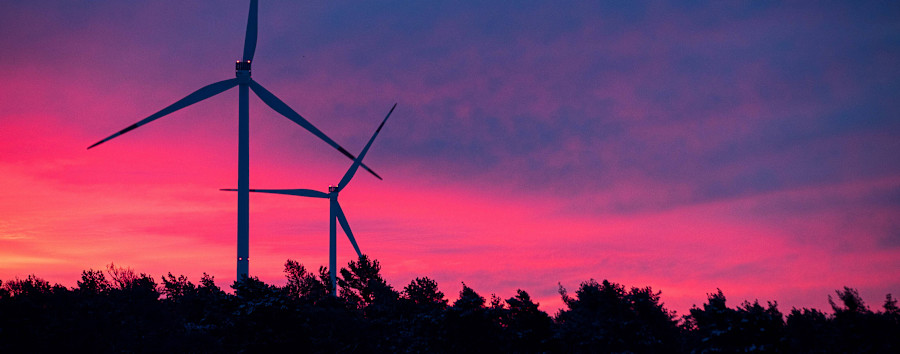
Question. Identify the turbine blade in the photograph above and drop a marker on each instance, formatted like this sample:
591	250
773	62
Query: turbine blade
298	192
358	161
346	226
197	96
250	37
282	108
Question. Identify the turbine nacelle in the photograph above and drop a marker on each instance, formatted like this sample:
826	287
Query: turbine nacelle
332	189
242	70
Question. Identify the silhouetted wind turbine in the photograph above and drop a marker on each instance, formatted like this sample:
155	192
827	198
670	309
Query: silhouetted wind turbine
336	213
243	81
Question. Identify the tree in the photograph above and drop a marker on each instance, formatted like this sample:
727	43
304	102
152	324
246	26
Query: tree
31	286
750	327
29	313
809	331
132	302
858	328
423	292
528	329
890	306
469	300
92	283
889	324
125	281
305	286
422	316
364	290
762	326
120	310
208	285
603	317
176	288
362	286
470	326
852	303
262	318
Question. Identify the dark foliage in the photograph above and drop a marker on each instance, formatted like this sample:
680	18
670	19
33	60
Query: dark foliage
118	310
471	326
525	327
604	318
749	327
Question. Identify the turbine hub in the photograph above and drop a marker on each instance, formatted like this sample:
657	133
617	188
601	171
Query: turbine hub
242	69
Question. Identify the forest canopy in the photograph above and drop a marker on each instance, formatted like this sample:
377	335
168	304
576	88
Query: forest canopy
118	309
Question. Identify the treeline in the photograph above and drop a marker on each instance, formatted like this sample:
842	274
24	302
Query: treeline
122	311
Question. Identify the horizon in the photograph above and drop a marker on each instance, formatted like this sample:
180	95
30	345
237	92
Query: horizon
743	147
451	297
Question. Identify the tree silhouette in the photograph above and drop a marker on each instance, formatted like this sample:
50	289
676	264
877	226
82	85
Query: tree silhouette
30	287
422	315
363	286
27	313
861	329
527	328
176	288
120	310
469	324
92	282
423	292
306	286
603	317
808	330
749	327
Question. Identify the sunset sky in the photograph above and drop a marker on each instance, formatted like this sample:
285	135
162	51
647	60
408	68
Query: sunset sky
748	146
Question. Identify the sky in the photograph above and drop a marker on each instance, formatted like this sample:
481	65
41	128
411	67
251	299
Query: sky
687	146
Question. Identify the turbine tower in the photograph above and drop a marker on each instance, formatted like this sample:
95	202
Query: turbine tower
244	84
336	214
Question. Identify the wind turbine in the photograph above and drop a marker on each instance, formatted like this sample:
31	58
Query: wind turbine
244	83
336	213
